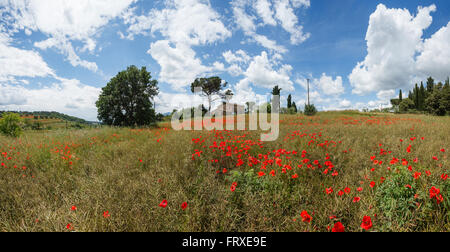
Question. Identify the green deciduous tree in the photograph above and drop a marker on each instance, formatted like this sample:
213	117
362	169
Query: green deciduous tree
126	99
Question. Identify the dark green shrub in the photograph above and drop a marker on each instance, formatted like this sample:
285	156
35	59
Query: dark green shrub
11	124
310	110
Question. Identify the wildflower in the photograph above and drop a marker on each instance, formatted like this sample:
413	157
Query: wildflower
417	175
329	190
356	199
347	190
306	217
69	227
184	205
366	223
73	208
163	204
106	214
338	228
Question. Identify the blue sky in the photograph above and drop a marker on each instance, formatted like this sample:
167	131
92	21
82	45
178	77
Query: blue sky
57	55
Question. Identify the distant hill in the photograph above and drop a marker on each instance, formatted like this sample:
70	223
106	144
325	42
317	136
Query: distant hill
48	115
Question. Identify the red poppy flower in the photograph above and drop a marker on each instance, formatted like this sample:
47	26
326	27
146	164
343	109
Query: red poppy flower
347	190
73	208
338	228
372	184
233	188
444	176
359	189
434	192
417	175
306	217
184	205
408	149
163	204
106	214
329	190
69	226
366	223
356	199
442	150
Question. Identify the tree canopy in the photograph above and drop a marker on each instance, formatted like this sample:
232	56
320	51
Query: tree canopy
126	99
210	87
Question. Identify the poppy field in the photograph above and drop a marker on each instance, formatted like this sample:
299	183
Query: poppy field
334	172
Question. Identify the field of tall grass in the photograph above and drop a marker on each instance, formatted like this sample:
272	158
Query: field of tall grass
337	171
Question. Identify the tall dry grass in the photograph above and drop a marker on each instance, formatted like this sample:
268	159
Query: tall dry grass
129	172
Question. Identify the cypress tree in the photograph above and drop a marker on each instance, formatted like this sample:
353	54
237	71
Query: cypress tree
430	85
422	97
289	101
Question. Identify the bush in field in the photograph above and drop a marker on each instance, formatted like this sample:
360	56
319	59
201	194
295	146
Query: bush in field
310	110
395	199
11	124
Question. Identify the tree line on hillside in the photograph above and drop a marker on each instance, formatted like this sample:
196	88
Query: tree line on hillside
430	98
46	115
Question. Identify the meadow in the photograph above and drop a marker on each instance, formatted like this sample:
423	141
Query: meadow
337	171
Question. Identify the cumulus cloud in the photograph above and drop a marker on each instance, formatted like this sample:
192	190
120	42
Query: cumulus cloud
329	86
183	24
68	96
250	14
397	53
325	92
262	73
179	64
17	62
435	57
192	22
289	21
63	22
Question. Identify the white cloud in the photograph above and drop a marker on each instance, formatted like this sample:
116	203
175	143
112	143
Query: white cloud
289	21
394	37
63	22
269	12
264	10
183	24
239	57
329	86
65	96
17	62
179	64
192	22
435	57
261	72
